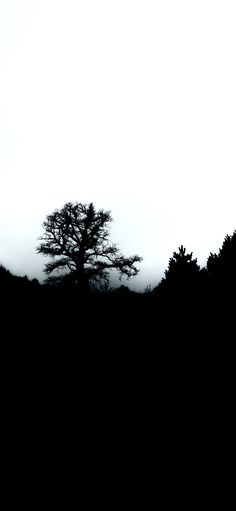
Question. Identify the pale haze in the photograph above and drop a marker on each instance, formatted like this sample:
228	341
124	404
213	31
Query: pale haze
127	104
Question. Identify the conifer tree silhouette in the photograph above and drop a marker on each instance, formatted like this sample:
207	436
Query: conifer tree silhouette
222	266
181	276
181	265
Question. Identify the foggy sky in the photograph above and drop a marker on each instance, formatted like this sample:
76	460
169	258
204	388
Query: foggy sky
128	104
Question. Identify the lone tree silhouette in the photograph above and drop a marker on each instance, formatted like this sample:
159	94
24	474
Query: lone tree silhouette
77	238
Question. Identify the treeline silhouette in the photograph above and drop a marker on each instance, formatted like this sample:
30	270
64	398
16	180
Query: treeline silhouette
186	295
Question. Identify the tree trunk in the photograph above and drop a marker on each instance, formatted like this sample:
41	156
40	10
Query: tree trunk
83	283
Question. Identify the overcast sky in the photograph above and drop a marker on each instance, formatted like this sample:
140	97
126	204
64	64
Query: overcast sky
129	104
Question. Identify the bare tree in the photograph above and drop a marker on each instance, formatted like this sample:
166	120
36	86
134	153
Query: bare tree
77	239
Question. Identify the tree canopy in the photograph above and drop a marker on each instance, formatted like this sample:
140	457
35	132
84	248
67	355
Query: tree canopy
76	237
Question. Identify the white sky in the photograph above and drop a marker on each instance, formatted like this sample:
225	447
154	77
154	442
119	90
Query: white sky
129	104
